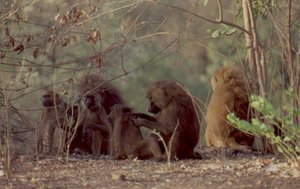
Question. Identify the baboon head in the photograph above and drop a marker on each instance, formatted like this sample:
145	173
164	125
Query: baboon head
225	75
93	86
92	101
50	98
88	91
162	93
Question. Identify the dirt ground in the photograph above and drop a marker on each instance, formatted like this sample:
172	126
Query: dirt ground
218	169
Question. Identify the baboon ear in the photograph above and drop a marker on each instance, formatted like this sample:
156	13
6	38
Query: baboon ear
215	78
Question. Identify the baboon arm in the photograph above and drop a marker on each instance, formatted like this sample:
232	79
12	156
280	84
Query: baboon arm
80	118
152	125
104	121
143	116
99	127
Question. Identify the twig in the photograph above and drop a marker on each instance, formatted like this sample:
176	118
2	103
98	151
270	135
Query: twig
202	17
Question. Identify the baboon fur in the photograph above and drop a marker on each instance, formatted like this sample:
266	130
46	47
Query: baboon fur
125	136
176	117
53	115
97	98
230	93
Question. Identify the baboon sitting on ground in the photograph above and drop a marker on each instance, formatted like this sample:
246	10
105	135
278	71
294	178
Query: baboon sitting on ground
53	116
230	94
176	118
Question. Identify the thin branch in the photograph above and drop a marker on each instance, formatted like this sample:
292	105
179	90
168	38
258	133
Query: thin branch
202	17
256	49
107	12
220	19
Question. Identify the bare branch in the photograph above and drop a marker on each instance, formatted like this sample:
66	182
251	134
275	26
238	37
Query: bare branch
220	19
202	17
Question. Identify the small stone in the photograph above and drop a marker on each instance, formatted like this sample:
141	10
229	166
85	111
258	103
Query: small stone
272	168
118	177
1	173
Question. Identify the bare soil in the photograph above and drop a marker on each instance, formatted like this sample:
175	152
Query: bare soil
218	169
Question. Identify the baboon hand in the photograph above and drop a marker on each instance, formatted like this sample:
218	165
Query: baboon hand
136	121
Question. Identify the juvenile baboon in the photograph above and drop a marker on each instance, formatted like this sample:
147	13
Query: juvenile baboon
97	99
125	136
176	117
230	94
52	118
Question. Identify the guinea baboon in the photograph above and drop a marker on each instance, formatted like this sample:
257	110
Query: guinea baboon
52	117
230	94
125	136
176	117
126	140
93	115
95	83
97	99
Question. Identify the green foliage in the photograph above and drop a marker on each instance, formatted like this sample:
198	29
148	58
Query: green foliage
289	143
261	8
220	32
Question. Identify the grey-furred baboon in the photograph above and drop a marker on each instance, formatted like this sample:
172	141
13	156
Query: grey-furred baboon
52	118
97	98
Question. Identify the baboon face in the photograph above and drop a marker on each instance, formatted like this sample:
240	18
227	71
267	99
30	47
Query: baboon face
158	100
49	100
91	101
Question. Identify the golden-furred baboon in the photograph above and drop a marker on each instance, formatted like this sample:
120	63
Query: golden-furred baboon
176	119
230	94
97	99
52	117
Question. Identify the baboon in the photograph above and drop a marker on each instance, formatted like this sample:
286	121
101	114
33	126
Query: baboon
126	140
176	118
97	99
52	117
125	136
230	94
58	114
93	115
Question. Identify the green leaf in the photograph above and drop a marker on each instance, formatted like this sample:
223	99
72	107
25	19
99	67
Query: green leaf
297	148
279	149
287	139
230	31
215	34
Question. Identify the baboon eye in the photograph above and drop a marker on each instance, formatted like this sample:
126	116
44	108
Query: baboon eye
46	96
